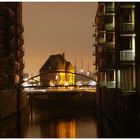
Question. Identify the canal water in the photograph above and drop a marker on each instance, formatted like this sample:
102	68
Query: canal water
62	123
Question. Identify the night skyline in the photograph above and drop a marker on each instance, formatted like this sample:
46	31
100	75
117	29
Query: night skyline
56	28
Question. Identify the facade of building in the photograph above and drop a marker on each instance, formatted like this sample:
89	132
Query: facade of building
57	71
117	64
11	45
11	69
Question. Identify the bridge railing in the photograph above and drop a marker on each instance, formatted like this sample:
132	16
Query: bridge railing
59	88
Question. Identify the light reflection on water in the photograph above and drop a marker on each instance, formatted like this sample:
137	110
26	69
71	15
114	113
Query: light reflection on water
57	123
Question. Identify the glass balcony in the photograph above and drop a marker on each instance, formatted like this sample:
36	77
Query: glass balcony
109	27
127	55
102	40
111	84
127	27
110	45
102	83
109	8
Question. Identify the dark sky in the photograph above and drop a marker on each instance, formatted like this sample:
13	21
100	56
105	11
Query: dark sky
53	28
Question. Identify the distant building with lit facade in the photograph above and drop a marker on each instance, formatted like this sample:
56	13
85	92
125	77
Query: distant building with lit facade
57	63
117	56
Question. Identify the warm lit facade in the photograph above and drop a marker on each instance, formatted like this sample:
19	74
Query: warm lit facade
116	45
57	63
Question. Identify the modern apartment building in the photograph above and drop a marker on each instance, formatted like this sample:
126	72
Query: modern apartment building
117	55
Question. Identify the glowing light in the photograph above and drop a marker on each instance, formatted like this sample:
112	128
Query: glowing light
26	84
88	73
35	90
25	79
56	77
79	83
92	83
66	83
81	70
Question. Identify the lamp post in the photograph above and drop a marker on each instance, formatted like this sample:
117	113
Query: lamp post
18	112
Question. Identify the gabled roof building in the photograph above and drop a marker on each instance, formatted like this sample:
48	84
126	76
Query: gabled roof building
55	67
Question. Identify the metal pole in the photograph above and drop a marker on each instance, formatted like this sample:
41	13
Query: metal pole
18	113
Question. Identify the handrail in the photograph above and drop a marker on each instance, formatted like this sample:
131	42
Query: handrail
44	73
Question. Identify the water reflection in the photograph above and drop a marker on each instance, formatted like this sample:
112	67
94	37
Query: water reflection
57	123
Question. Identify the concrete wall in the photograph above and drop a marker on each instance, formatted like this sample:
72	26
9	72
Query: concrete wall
8	112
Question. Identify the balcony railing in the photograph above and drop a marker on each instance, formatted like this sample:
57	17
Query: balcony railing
109	27
127	55
111	84
102	83
102	40
110	45
109	8
127	27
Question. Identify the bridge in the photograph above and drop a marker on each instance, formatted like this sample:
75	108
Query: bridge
76	87
61	95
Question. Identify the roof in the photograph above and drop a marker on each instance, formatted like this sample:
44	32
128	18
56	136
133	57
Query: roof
56	62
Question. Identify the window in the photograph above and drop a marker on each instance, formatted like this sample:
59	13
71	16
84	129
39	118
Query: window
126	43
126	15
102	78
109	7
109	19
127	79
110	59
110	37
110	79
101	8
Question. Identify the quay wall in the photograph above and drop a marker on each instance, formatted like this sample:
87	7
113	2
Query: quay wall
64	99
118	114
8	112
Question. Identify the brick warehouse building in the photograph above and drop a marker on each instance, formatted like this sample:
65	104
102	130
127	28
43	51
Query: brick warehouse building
117	55
57	63
11	66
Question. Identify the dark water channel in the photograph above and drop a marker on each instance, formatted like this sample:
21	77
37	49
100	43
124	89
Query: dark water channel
62	123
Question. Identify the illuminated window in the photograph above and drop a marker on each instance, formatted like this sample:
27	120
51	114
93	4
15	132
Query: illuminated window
110	77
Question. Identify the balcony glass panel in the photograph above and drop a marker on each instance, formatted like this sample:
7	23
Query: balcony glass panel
102	83
111	84
127	27
102	40
109	8
127	55
109	27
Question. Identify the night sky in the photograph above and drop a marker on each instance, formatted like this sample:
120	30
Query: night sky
56	28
